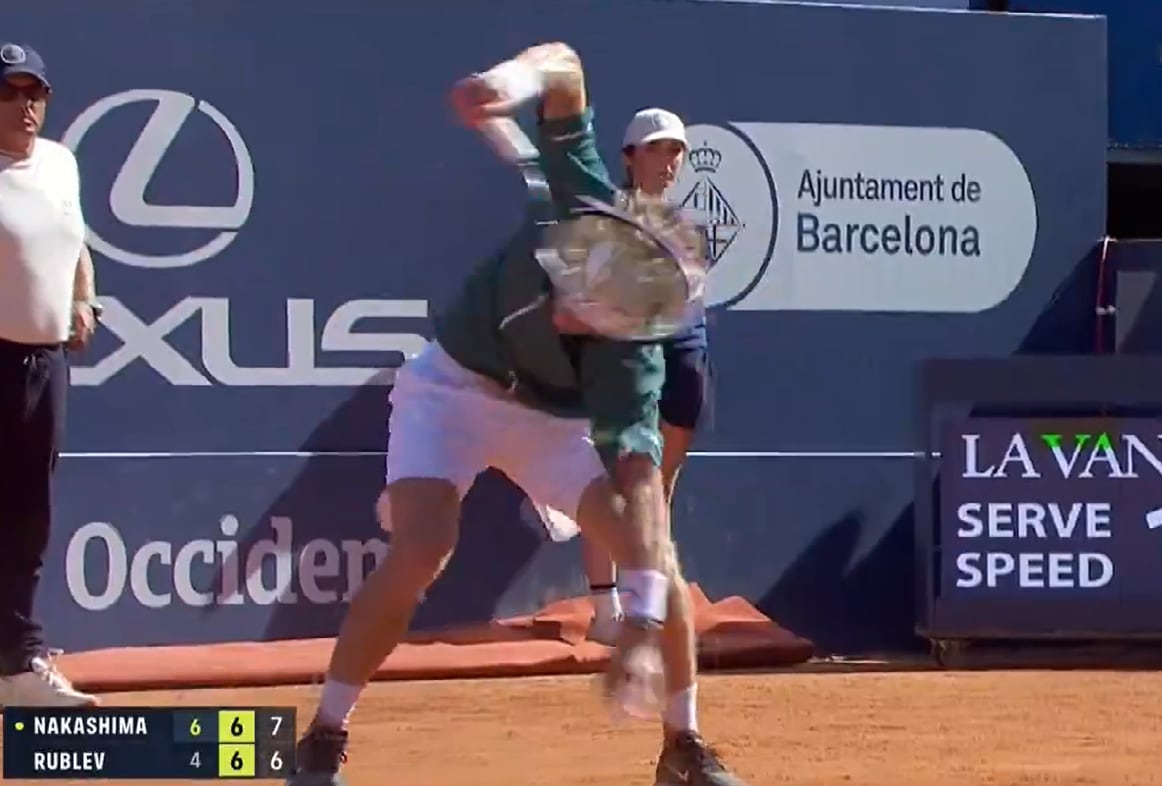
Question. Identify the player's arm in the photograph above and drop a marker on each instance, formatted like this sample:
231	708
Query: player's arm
549	73
560	78
552	76
567	142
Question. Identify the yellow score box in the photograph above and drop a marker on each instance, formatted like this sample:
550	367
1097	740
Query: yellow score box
235	761
236	726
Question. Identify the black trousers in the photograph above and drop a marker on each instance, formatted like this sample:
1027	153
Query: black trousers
34	382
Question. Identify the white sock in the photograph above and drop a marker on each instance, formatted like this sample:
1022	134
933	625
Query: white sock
606	603
337	703
682	710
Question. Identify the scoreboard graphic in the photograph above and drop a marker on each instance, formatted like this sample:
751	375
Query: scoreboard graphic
149	743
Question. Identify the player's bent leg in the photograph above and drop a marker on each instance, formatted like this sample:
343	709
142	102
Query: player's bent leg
555	463
425	514
686	758
682	408
625	512
601	571
437	448
683	401
562	469
602	513
607	534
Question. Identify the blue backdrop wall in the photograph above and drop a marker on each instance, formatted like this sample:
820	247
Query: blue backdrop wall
266	195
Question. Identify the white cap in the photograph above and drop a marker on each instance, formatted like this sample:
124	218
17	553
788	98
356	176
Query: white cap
652	124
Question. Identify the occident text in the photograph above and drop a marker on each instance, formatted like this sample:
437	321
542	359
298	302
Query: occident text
827	223
206	572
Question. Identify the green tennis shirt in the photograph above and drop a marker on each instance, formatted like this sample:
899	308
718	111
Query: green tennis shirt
500	324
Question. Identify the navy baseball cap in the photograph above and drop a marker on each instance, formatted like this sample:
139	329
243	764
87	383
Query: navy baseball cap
21	59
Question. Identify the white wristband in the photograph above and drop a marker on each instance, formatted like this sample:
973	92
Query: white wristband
515	81
644	594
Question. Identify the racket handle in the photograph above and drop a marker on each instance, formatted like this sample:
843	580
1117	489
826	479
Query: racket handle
509	141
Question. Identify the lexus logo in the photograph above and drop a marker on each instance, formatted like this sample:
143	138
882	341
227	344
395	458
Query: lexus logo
127	196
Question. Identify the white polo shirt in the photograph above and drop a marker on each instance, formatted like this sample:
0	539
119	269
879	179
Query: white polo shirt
42	230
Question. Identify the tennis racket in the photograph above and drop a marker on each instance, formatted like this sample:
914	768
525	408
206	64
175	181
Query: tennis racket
634	270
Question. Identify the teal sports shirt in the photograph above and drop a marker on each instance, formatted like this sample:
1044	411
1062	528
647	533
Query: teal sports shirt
500	324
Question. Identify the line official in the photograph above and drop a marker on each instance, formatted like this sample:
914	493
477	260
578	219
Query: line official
47	307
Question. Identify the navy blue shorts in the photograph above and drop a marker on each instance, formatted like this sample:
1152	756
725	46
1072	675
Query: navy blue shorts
686	391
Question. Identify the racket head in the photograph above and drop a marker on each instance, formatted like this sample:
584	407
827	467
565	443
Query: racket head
635	270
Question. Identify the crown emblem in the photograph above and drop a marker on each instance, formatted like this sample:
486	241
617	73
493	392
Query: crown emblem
705	159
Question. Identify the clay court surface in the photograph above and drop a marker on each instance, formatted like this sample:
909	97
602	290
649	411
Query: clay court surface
790	727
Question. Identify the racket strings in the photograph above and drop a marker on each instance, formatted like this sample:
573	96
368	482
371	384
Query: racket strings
633	268
646	264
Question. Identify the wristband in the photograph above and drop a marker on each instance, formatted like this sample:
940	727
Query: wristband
515	81
644	594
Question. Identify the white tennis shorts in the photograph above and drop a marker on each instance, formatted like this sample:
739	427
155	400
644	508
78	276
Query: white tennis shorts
451	423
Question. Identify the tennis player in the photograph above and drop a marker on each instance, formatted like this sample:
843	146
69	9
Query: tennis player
511	383
654	148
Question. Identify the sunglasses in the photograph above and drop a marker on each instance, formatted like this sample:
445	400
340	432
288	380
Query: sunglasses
36	91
